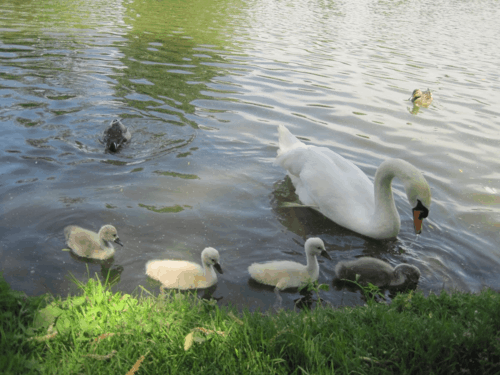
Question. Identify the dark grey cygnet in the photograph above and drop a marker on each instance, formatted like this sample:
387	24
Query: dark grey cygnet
115	135
377	272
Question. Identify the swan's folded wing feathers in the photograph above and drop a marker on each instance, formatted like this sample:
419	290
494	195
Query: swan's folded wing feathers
344	166
292	160
345	199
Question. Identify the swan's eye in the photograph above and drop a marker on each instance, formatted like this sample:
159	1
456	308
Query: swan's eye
424	211
114	235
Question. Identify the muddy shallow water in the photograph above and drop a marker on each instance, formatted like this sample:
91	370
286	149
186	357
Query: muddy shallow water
203	86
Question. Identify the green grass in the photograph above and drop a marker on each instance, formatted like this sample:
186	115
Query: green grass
100	332
17	312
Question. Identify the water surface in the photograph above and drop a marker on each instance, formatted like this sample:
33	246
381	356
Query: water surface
203	86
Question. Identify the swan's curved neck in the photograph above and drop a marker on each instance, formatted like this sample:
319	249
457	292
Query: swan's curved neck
209	272
312	264
385	221
106	245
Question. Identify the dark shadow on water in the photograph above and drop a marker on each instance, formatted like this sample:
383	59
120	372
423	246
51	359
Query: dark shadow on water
389	291
307	222
204	294
306	301
109	273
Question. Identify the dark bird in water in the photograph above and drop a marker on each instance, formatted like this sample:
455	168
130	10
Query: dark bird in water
115	135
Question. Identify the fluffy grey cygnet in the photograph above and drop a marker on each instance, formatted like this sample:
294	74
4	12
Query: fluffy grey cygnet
283	274
377	272
88	244
115	135
287	274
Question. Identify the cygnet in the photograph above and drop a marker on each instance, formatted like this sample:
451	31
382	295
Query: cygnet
115	135
377	272
88	244
285	274
180	274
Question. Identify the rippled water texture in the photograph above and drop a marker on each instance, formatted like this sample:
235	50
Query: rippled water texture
203	86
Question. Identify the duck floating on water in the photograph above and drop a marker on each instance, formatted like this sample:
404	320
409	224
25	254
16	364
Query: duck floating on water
88	244
115	135
419	98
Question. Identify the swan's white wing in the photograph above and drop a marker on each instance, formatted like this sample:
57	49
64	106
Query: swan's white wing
325	179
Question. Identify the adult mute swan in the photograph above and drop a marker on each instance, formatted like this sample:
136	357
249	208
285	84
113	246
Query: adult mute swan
377	272
338	189
115	135
284	274
183	275
88	244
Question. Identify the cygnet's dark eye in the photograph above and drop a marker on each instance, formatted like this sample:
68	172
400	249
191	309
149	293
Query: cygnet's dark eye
114	235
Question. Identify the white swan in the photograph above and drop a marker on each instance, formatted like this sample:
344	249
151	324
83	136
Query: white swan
377	272
287	274
338	189
88	244
180	274
115	135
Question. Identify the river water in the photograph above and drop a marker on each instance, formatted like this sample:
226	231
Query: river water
203	86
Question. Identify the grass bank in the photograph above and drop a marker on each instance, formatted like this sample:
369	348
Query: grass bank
100	332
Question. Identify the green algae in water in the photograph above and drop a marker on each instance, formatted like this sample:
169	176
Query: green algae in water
39	143
68	201
60	113
60	97
174	209
180	175
114	162
26	122
136	170
31	105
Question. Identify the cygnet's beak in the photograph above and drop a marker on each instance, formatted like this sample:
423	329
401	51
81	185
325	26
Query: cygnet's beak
218	268
119	242
325	254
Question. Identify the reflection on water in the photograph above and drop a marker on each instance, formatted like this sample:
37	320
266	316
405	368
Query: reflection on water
203	85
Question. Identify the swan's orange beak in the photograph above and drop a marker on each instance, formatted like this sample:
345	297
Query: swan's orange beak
417	222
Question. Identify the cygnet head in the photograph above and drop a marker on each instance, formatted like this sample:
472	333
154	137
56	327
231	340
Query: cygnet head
409	272
109	233
210	257
315	246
